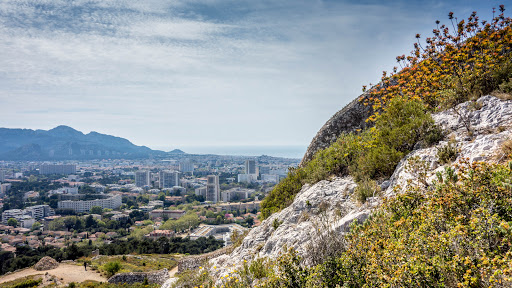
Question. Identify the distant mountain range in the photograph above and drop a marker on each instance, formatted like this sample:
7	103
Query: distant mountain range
66	143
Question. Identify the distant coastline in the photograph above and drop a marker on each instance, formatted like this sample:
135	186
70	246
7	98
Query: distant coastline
294	151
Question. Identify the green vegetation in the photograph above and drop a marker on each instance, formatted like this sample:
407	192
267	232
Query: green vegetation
12	222
111	268
453	233
96	210
134	263
366	189
455	66
447	153
25	282
26	256
161	246
186	222
370	155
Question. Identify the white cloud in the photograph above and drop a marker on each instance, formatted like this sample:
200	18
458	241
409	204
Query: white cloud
217	72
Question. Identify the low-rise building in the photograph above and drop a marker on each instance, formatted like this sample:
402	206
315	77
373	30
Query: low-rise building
119	217
236	194
112	202
156	203
40	211
147	208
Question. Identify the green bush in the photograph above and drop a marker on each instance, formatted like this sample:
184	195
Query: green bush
28	283
365	189
447	153
372	154
112	268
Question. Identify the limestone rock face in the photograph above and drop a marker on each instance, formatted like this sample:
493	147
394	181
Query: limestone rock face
490	123
295	225
349	119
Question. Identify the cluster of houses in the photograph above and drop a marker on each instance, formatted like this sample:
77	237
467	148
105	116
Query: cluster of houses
12	237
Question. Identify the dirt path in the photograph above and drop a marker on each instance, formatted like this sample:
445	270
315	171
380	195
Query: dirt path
68	273
173	271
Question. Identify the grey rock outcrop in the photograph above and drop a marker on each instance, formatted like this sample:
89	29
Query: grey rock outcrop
349	119
489	120
328	201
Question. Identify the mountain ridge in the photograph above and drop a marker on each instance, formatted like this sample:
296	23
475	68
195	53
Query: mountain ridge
66	143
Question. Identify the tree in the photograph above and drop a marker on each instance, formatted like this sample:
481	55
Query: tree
90	221
249	221
112	268
12	222
96	210
36	226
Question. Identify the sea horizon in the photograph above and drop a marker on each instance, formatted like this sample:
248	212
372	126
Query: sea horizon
285	151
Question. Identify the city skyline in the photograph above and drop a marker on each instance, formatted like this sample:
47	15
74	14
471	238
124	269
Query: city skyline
183	73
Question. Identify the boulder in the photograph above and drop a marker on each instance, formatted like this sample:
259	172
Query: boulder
46	263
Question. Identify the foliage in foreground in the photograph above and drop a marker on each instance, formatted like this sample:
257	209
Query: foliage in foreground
456	65
454	233
461	61
371	154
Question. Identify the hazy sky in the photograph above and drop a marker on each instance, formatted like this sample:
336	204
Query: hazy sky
201	72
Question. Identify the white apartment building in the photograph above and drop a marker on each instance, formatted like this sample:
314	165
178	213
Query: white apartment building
186	166
21	216
271	178
169	179
113	202
64	190
12	213
250	167
201	191
40	211
235	194
247	178
65	169
142	178
213	189
156	203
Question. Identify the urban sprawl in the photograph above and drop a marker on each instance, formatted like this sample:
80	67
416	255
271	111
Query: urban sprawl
99	201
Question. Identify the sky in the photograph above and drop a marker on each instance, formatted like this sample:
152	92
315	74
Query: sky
200	73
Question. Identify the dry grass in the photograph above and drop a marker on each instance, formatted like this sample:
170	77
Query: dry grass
501	95
135	263
506	149
13	283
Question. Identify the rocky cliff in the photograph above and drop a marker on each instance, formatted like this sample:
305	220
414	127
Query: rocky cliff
476	131
349	119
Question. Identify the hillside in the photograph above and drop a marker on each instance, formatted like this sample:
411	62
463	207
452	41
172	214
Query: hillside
66	143
413	191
